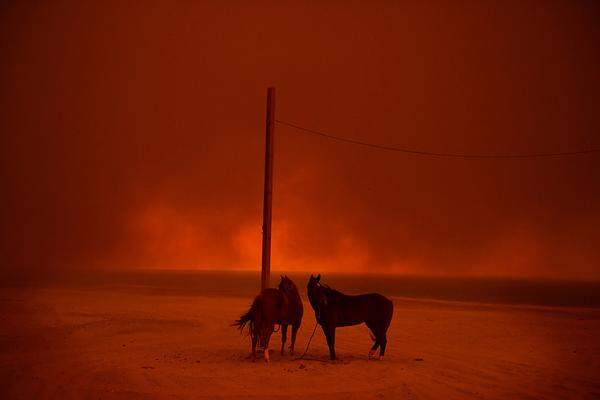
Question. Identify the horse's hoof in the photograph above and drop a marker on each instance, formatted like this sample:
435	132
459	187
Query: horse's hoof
371	354
380	358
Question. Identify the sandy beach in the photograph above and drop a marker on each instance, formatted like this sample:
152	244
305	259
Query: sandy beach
118	342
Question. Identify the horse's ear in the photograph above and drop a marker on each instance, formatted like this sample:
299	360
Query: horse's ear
318	277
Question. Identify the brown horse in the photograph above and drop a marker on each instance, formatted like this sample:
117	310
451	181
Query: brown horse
333	309
281	306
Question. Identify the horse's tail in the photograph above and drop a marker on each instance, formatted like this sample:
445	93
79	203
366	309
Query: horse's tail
250	317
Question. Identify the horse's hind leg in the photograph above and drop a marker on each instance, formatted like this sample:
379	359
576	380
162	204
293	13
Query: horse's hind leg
254	340
295	328
382	338
373	349
283	337
375	337
382	343
268	331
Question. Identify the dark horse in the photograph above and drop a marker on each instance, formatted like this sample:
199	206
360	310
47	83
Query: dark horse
333	309
273	306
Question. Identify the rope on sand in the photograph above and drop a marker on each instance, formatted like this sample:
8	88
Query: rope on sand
308	344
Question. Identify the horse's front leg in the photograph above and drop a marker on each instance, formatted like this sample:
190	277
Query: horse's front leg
295	328
283	337
329	331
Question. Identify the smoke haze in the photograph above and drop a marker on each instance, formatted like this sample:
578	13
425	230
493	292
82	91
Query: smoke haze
133	136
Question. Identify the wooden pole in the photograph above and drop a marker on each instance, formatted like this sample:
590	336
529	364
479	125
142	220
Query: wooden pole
268	191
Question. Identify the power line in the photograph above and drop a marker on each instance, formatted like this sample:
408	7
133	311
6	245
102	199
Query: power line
430	153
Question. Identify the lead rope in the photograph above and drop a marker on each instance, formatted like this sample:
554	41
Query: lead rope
308	344
312	335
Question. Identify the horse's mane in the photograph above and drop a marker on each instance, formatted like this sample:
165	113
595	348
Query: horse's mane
330	292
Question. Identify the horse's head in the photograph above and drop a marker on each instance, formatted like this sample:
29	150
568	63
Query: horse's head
316	294
313	282
287	285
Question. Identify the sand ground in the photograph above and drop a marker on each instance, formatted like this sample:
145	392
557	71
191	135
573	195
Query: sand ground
117	344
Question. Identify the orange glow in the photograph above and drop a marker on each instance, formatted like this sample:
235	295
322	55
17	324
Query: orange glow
140	143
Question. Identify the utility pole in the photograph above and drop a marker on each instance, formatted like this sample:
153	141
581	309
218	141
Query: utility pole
268	191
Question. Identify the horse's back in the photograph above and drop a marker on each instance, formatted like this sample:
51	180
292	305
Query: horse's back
371	299
278	307
271	301
355	309
379	300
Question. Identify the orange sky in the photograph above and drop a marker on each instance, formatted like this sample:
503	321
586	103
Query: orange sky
133	132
